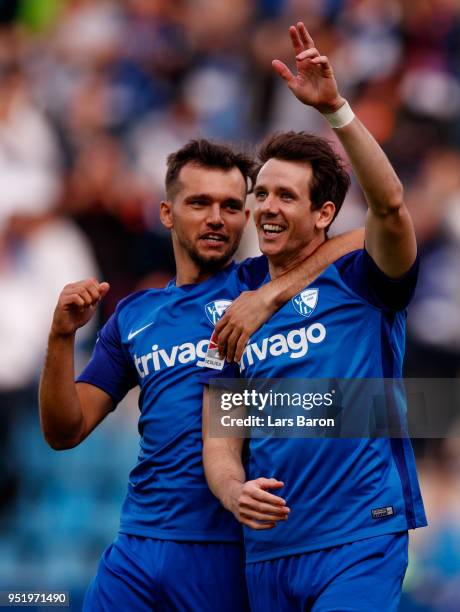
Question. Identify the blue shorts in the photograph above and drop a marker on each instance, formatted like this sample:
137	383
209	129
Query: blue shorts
143	574
363	576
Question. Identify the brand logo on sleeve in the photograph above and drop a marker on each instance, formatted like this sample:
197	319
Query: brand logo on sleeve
214	310
305	302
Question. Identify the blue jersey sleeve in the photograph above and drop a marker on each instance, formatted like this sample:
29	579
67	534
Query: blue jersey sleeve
110	368
252	272
359	271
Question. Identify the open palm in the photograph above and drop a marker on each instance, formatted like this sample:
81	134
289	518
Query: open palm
314	83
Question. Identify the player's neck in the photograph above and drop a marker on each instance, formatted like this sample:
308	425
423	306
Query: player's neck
282	265
190	273
191	278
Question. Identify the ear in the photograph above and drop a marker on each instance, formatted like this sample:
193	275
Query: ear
247	215
325	215
166	214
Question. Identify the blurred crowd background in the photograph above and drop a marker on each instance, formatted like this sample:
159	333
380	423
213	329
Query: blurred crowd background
93	96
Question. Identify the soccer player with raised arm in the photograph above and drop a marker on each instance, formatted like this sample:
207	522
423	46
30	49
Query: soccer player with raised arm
326	520
177	548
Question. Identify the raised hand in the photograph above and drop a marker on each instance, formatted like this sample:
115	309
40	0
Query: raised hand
76	305
314	84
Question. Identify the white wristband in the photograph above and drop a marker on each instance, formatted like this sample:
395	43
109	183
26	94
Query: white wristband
340	118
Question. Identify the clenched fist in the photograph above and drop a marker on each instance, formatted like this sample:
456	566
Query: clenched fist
76	305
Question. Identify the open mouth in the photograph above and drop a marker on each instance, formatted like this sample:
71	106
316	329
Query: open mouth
214	239
272	229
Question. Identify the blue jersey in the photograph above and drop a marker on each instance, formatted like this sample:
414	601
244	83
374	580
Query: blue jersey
350	323
157	339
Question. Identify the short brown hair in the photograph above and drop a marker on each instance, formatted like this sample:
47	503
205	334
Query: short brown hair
330	180
207	154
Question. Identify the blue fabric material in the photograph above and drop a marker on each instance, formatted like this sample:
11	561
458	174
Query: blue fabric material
145	575
158	340
344	325
357	577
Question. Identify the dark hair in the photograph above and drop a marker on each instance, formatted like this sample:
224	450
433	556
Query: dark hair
330	180
207	154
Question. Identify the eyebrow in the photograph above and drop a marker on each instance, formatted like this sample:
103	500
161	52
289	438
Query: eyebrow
198	196
207	197
236	201
277	188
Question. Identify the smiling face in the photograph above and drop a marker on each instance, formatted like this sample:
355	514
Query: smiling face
207	216
287	227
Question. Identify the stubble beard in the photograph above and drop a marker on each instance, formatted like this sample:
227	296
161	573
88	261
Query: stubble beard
209	265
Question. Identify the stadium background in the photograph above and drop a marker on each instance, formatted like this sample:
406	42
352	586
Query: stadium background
93	96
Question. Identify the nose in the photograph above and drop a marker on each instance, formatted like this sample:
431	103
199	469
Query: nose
214	216
269	205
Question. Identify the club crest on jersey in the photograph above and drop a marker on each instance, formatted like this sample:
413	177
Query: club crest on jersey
305	302
214	310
